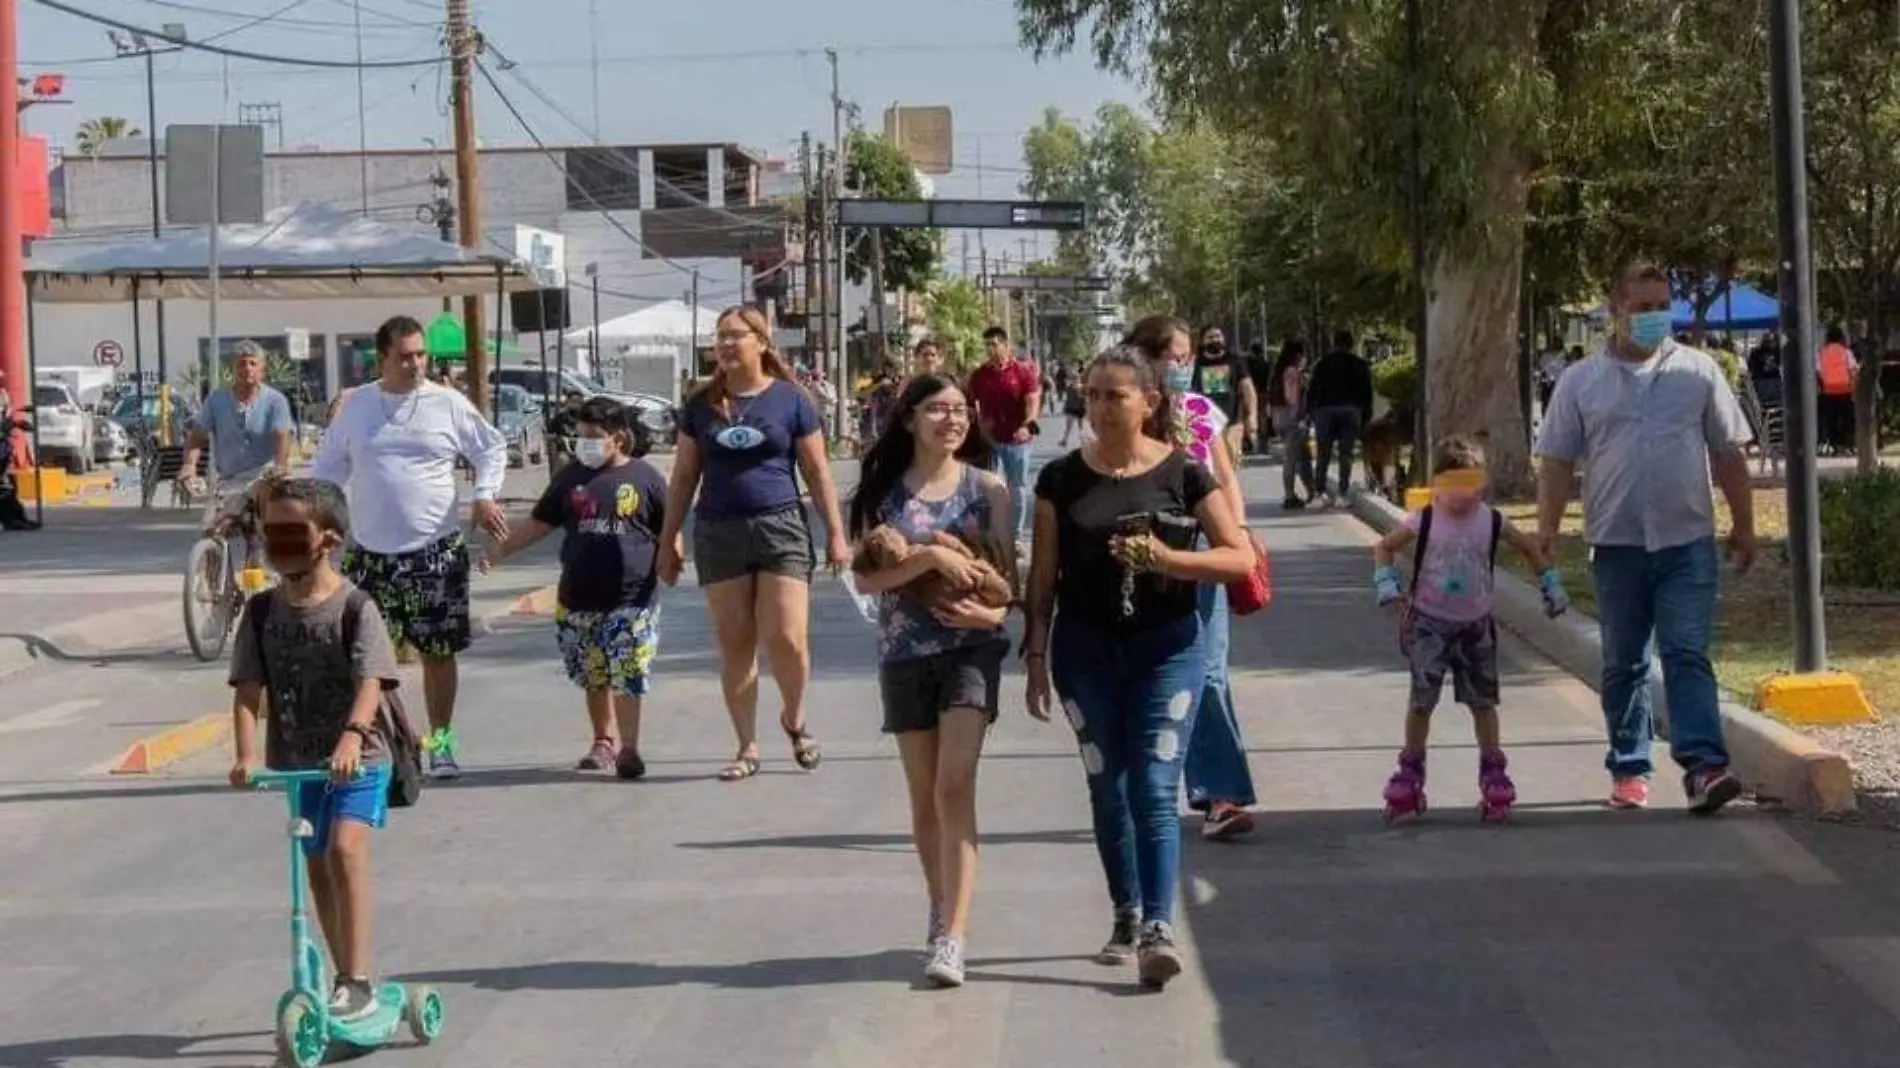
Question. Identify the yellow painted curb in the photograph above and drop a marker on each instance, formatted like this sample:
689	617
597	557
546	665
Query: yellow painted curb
541	602
1816	698
173	744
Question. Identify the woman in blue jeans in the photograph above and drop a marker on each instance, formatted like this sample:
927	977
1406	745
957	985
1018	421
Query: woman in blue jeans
1219	783
1115	633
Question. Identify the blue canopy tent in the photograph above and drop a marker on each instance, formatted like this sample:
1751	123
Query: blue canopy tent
1740	309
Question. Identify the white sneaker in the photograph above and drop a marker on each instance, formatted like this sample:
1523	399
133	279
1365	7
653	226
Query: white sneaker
946	963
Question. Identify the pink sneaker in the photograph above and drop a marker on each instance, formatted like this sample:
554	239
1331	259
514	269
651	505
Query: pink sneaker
1630	791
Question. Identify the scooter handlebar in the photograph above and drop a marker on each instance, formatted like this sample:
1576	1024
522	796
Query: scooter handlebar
265	780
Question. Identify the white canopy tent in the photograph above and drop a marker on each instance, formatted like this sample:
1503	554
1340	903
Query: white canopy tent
305	252
670	321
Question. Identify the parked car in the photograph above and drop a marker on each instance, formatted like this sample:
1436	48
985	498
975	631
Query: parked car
110	442
518	417
136	418
655	412
65	428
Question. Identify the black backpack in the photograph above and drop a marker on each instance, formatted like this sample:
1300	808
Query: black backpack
405	748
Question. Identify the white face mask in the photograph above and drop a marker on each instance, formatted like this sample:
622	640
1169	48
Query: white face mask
591	451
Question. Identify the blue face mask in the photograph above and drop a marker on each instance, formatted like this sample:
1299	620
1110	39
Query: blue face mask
1177	377
1648	330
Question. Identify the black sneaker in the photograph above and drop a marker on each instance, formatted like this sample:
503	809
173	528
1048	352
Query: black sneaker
1709	789
352	999
1120	947
628	765
1293	504
1158	960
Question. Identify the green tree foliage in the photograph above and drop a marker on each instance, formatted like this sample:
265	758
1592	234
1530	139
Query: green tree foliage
94	133
957	313
875	167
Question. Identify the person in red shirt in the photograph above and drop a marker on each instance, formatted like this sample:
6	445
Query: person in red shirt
1008	397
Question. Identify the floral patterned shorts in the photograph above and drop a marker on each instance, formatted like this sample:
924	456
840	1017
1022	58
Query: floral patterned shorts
609	650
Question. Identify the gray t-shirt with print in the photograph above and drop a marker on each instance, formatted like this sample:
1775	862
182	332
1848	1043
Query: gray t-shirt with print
309	676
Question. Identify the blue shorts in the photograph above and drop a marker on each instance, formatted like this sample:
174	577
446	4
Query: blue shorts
364	800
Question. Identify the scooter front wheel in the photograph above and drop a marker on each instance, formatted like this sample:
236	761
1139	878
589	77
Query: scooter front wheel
302	1032
423	1011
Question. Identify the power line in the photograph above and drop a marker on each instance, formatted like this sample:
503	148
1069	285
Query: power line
236	53
228	13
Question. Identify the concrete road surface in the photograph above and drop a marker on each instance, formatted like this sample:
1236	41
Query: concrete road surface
682	921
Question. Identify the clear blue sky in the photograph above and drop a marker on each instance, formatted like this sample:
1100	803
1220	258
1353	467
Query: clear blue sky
750	71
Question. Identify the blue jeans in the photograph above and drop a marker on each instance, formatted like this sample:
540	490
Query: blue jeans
1216	757
1670	595
1131	699
1012	462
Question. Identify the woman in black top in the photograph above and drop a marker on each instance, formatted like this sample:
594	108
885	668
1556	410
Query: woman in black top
1113	564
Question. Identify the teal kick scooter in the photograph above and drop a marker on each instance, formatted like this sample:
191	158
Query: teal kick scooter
305	1028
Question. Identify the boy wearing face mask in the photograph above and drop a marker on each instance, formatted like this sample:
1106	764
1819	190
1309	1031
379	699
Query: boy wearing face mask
610	504
317	644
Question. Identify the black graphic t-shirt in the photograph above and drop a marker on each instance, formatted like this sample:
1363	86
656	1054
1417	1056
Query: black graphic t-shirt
612	520
310	676
1090	509
1218	378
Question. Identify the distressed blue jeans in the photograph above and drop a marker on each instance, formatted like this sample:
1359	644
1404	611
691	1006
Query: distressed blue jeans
1216	757
1131	698
1012	462
1668	596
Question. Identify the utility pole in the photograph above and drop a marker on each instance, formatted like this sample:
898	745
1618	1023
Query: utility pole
1797	322
812	335
692	343
12	256
839	250
462	48
1415	194
593	57
882	341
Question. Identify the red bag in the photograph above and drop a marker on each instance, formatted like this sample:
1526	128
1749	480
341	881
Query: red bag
1254	592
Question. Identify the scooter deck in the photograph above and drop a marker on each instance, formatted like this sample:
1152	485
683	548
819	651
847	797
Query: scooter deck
378	1027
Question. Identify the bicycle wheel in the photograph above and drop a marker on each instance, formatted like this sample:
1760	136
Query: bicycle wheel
209	587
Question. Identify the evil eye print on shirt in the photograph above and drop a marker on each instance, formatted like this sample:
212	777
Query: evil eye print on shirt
740	438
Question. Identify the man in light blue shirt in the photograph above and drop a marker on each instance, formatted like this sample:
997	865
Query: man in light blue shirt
249	428
1650	420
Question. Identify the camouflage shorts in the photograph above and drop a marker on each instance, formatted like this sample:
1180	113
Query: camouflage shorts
1469	651
422	594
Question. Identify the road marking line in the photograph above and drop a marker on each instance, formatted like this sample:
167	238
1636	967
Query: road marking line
173	744
51	716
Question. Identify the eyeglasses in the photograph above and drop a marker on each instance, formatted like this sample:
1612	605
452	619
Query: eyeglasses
941	412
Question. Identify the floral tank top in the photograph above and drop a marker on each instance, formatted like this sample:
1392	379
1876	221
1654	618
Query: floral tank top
905	629
1198	424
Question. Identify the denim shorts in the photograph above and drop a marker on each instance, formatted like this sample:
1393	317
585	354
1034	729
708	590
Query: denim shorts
364	800
918	691
609	650
776	543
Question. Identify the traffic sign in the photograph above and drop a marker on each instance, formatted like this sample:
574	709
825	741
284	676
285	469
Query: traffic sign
108	353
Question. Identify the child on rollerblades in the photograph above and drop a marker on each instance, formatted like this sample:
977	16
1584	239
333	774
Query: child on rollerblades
318	647
1446	624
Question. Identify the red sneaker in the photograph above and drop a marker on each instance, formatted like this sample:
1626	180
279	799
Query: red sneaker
1629	791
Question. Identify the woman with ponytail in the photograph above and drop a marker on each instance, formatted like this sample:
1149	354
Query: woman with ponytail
1219	783
744	437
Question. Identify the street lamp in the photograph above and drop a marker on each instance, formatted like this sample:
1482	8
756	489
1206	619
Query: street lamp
592	271
127	46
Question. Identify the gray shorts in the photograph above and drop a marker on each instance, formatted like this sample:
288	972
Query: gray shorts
917	692
1469	651
776	543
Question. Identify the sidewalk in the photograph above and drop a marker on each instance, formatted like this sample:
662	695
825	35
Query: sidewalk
777	922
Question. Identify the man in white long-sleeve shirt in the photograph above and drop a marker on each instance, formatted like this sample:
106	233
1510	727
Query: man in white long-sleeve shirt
392	447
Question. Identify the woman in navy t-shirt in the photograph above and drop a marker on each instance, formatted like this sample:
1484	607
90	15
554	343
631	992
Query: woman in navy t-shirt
743	438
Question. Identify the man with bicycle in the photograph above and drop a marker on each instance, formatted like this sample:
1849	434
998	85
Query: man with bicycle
250	429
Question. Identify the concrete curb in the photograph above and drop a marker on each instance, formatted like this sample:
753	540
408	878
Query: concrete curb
1773	760
158	751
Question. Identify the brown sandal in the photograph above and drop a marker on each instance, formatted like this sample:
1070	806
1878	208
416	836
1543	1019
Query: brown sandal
805	748
742	768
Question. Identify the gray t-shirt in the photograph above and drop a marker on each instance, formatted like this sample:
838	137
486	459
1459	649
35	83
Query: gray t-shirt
309	675
1644	433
